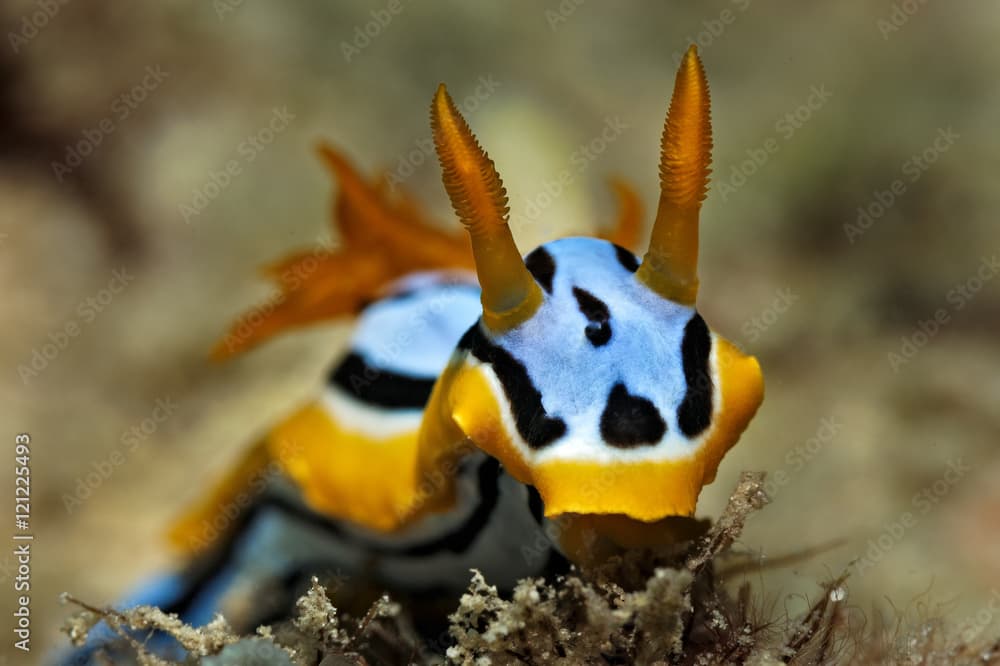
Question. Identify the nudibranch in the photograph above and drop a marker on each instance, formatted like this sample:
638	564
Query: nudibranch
590	375
587	372
483	393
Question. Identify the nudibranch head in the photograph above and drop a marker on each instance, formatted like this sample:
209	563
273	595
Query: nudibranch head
597	382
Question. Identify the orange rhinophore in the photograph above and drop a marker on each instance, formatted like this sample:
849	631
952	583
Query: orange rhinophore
670	267
484	393
510	294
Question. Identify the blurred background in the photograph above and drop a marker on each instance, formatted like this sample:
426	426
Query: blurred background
849	240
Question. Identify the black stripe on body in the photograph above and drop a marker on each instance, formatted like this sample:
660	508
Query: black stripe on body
695	411
536	504
596	311
460	539
380	387
535	426
628	260
630	420
542	266
204	570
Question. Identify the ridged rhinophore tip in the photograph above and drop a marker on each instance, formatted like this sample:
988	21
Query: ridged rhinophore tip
471	179
686	150
670	267
510	294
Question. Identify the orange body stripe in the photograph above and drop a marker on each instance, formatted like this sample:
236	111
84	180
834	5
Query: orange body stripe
348	474
198	527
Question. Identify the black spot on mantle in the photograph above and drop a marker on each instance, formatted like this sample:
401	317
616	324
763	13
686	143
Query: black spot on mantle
630	420
541	265
596	311
536	427
628	260
695	411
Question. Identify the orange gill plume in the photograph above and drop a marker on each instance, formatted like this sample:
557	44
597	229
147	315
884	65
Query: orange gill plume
510	294
625	231
383	235
380	237
670	267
